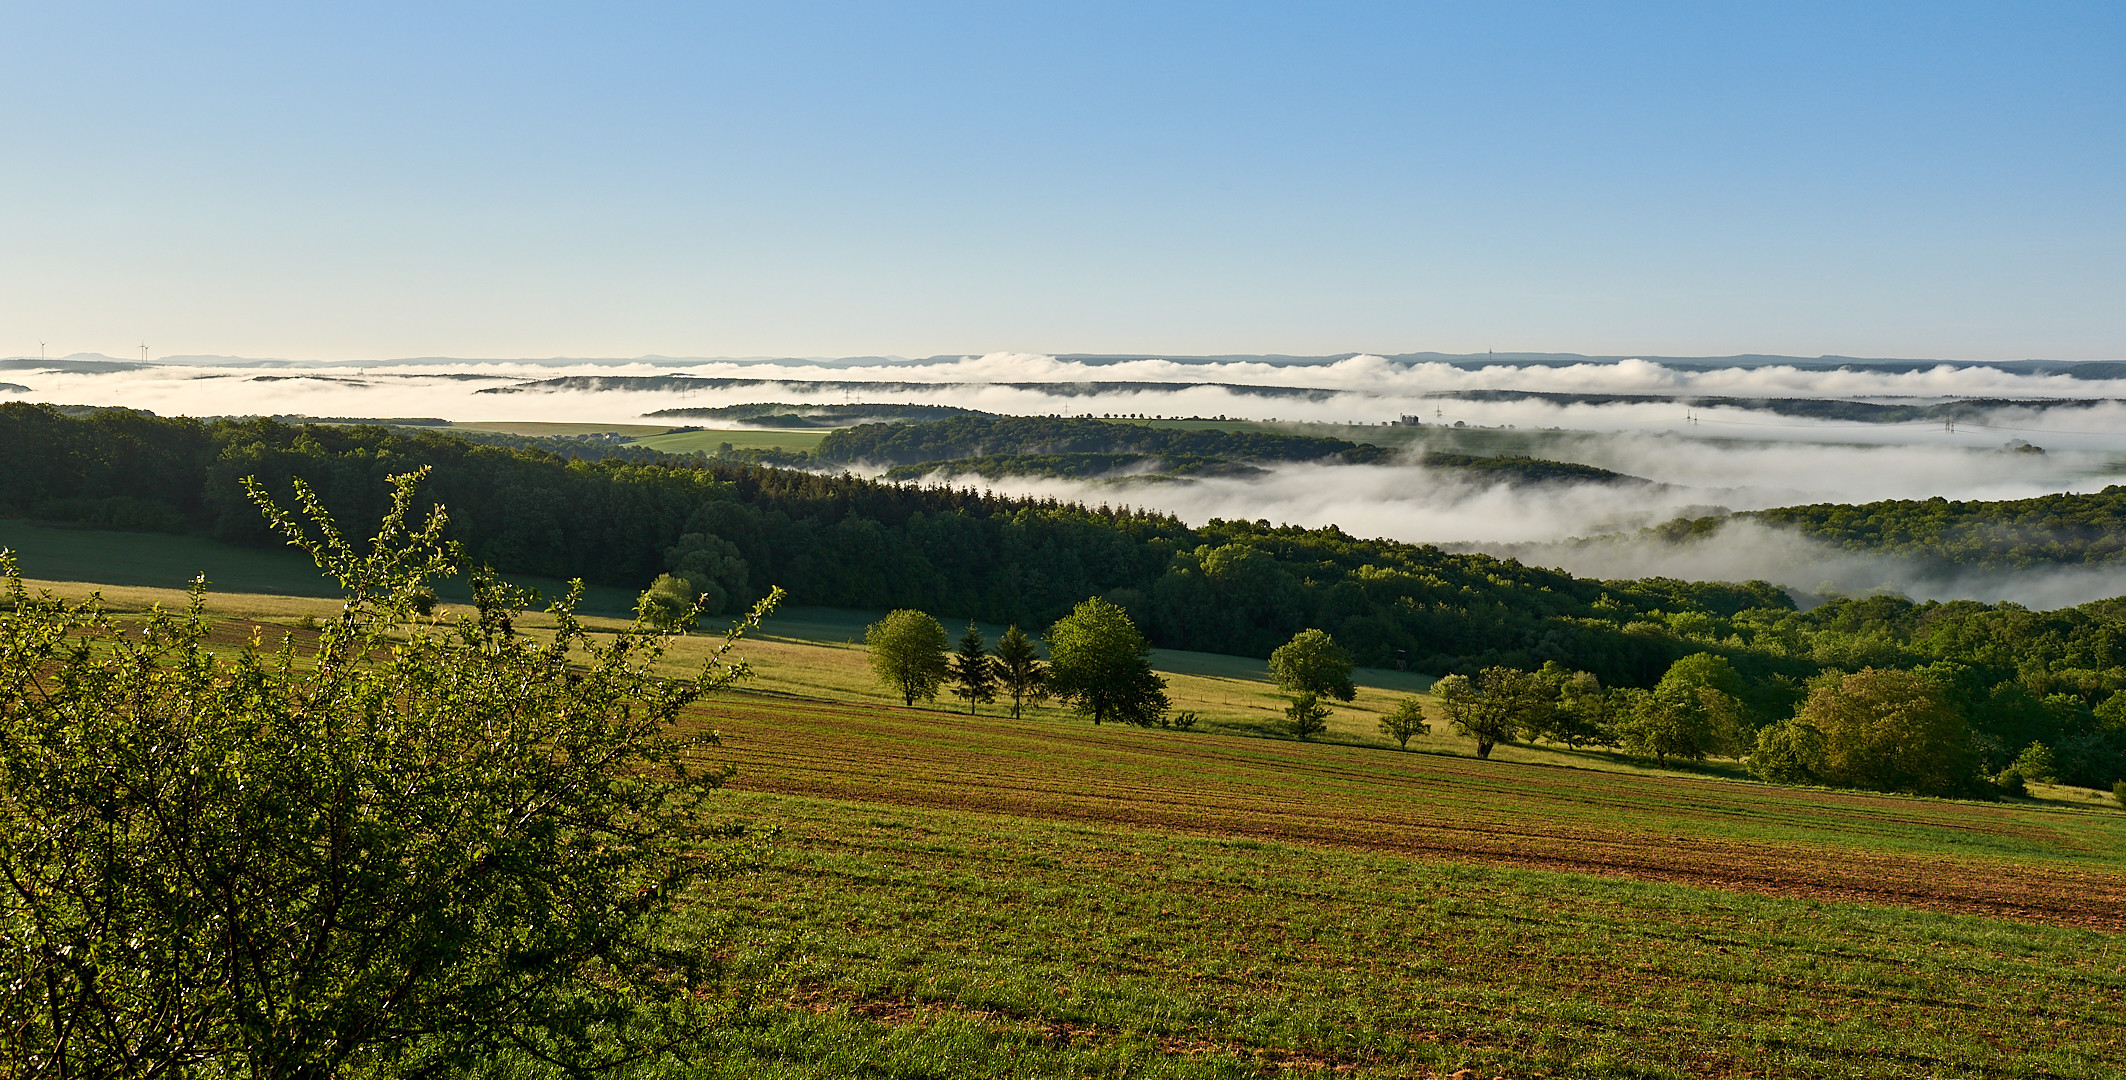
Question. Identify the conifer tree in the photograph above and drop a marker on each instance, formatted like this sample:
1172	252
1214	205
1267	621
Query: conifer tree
1019	670
973	673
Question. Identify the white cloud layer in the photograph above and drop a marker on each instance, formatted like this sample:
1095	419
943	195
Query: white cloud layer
1723	457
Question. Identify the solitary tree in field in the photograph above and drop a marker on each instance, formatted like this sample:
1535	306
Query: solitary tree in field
1306	717
973	673
390	854
1019	670
1405	720
667	603
1101	666
1495	707
908	654
1313	663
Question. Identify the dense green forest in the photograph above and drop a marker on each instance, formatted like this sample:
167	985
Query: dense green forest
985	435
2053	678
1080	447
2049	530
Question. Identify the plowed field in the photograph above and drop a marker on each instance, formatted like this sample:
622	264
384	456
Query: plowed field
2054	866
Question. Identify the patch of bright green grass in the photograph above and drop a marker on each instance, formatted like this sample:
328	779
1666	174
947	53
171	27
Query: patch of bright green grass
688	442
548	429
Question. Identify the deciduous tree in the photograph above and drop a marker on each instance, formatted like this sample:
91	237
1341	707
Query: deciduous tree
1101	666
908	654
1495	707
1306	717
1404	721
1312	663
1891	731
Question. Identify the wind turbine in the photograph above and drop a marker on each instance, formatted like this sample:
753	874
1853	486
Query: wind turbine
143	352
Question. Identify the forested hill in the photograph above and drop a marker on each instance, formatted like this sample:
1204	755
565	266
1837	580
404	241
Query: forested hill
1078	447
2049	530
2021	677
986	436
1234	587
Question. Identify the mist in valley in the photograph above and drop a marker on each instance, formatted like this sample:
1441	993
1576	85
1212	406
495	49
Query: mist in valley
1693	461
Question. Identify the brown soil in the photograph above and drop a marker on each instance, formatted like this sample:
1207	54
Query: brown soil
1711	834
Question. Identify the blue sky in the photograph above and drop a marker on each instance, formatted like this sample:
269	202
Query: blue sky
385	180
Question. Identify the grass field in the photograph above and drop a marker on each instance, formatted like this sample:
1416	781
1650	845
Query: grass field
976	896
72	561
926	942
687	442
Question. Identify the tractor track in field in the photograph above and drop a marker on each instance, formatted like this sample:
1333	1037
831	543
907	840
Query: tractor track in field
1421	806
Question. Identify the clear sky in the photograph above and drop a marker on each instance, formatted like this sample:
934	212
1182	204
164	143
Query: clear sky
611	179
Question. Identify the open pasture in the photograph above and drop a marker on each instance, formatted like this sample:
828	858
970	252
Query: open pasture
707	441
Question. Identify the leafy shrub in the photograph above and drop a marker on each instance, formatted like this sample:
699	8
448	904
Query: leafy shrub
1306	716
387	857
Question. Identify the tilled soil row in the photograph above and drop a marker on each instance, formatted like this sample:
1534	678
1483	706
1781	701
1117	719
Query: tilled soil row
1196	786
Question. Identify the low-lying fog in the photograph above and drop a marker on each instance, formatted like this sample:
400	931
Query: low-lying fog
1701	459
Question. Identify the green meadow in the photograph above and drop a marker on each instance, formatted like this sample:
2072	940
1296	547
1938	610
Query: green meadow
967	895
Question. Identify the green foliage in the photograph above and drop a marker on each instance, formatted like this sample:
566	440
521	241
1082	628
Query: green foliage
973	673
1583	714
1306	716
2065	529
1019	670
908	654
1891	731
667	603
1404	722
1789	752
2118	792
1101	666
2037	762
1236	587
978	436
1517	468
713	568
1313	663
1689	714
1497	706
390	856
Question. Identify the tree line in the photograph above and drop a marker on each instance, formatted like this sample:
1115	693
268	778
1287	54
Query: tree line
2019	678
